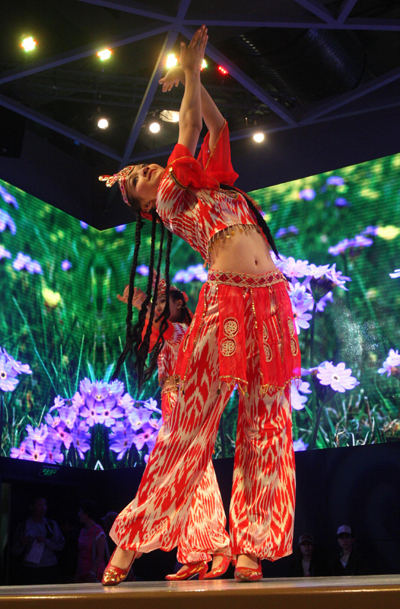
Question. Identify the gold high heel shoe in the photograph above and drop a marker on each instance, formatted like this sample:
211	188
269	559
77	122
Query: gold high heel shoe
113	575
190	571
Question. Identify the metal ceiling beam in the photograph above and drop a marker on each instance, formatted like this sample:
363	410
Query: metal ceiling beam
244	80
82	52
148	97
56	126
132	7
384	25
153	83
317	9
341	100
345	10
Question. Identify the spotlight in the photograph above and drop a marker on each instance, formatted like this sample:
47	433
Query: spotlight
28	44
154	127
222	70
172	60
204	65
104	54
169	116
102	123
258	137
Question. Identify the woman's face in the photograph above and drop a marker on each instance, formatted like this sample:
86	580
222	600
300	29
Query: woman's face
306	548
174	308
142	183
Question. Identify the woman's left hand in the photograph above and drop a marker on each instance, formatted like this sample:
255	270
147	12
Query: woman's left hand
172	78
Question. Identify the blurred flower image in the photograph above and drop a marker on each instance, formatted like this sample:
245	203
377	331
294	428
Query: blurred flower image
337	377
392	361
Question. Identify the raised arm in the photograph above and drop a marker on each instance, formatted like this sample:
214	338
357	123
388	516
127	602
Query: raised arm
211	115
190	116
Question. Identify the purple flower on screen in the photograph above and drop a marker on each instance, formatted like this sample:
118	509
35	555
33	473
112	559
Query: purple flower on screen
152	405
298	400
182	276
38	434
126	402
52	446
85	386
99	391
294	268
341	202
280	233
307	194
7	198
139	417
7	222
337	277
8	382
301	318
337	377
143	270
274	207
52	421
116	388
300	297
299	445
25	262
395	274
84	225
371	230
64	435
392	361
34	451
199	272
321	304
147	436
66	265
361	241
68	416
121	441
335	181
120	228
18	453
4	253
80	440
340	248
17	366
293	229
111	414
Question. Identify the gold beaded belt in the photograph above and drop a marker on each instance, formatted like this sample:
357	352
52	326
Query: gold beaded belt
244	280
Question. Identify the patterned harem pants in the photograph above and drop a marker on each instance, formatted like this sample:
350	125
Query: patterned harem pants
263	493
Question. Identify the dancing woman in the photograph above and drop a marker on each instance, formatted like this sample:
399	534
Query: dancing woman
203	537
242	334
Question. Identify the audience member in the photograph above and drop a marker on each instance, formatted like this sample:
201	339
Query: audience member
37	539
92	545
307	562
349	561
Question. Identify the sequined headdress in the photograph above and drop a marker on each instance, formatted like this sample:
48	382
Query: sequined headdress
119	177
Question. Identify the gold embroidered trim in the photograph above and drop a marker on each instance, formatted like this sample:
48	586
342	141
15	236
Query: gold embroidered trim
175	179
231	327
169	383
186	339
294	348
244	280
228	347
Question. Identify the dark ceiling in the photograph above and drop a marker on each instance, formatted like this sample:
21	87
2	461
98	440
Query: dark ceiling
296	67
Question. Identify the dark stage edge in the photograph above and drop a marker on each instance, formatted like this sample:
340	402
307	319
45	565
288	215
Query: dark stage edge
367	592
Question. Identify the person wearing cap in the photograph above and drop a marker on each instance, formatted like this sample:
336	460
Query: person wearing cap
349	561
307	562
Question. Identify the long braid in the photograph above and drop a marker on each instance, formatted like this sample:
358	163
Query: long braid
165	314
128	349
260	220
141	345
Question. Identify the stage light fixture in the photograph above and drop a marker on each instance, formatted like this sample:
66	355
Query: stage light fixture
104	54
154	127
169	116
222	70
102	123
258	137
28	44
172	60
204	65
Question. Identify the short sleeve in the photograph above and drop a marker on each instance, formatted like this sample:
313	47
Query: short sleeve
217	162
187	171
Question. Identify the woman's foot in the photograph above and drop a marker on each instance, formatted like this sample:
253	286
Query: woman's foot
189	571
248	568
220	566
118	567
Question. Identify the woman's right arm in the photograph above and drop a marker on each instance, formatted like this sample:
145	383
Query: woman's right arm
190	116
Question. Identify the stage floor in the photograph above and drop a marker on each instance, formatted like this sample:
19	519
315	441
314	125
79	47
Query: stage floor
367	592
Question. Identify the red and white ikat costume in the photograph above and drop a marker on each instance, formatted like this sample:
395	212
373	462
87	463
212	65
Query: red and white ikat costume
242	333
204	532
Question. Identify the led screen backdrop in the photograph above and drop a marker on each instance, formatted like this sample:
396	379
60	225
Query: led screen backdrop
62	327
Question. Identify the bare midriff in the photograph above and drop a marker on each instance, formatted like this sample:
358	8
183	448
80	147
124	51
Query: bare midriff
240	249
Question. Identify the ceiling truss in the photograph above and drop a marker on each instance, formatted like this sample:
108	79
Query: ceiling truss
316	16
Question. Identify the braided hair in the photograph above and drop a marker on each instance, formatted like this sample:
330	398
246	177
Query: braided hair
135	342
